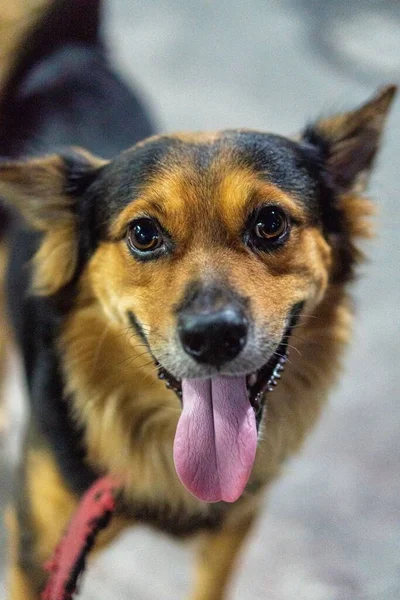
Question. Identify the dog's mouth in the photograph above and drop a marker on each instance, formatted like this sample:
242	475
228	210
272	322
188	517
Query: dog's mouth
217	433
258	383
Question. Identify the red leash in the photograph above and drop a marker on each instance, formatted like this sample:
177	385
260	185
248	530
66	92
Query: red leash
69	559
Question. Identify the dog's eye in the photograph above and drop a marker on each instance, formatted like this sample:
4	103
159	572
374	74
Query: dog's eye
271	224
144	235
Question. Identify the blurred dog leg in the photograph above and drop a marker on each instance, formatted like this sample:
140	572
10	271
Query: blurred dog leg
4	336
15	16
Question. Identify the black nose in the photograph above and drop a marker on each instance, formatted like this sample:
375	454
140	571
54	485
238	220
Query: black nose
213	337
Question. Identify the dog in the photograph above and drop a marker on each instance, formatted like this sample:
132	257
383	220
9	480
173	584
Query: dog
154	294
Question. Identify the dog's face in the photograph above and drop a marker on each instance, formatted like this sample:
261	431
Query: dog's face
208	246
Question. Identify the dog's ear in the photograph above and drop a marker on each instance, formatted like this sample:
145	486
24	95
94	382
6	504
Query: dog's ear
347	143
46	192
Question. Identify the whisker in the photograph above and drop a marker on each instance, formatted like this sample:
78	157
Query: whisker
294	348
132	358
152	372
291	346
282	356
297	337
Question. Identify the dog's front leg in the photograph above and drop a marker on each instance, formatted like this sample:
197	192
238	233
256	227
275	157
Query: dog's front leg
43	505
36	523
25	578
218	553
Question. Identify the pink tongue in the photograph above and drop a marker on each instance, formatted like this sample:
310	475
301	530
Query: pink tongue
216	438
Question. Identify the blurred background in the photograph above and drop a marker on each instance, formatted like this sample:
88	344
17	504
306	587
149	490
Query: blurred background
331	530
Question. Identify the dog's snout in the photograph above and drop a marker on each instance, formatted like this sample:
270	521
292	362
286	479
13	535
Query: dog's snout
213	337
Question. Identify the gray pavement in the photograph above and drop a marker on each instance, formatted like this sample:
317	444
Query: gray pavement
332	528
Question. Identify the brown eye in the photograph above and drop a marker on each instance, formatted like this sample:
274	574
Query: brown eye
271	224
144	235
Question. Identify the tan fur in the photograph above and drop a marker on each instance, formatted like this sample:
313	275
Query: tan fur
128	416
218	554
19	586
299	270
55	261
50	507
35	189
50	501
15	18
47	208
369	119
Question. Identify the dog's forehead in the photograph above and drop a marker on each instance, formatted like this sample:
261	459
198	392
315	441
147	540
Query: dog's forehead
201	160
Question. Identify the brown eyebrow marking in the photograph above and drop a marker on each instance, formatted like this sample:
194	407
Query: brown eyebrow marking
151	207
223	192
156	205
165	186
242	191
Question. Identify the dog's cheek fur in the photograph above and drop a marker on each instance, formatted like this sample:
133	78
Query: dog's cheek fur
123	409
274	283
104	276
302	276
121	284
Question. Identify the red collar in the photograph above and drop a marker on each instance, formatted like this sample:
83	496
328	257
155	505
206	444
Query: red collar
69	559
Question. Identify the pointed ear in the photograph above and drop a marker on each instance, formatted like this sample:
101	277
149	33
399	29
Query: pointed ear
45	192
348	142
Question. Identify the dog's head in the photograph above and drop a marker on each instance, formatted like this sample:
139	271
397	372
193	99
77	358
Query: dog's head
208	246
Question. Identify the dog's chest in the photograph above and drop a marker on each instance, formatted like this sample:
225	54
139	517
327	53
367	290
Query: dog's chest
178	521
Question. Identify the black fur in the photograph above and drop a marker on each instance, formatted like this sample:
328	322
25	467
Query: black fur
79	176
62	91
5	220
179	523
331	215
119	182
294	167
36	323
287	164
138	329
